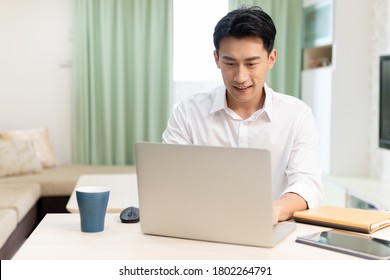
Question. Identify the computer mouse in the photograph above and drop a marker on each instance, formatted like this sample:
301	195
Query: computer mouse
130	215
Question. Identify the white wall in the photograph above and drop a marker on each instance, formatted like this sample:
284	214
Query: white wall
380	41
35	90
351	88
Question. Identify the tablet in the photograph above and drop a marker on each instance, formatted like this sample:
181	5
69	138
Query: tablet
355	244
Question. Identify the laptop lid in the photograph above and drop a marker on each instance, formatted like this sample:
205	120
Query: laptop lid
219	194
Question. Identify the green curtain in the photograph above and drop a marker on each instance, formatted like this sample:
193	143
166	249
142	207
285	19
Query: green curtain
287	16
122	77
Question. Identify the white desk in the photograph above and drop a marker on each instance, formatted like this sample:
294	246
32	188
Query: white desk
124	191
58	237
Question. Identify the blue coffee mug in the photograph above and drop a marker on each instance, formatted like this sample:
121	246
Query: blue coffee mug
92	202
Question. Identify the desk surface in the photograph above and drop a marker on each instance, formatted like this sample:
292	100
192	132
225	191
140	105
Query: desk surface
124	192
58	237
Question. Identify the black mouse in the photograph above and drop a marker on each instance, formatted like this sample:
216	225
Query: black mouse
130	215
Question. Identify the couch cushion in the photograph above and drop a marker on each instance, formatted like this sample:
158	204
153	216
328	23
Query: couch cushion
20	197
41	140
8	222
61	180
17	157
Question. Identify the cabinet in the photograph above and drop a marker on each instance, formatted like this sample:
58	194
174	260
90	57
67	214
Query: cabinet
317	21
335	81
318	34
356	192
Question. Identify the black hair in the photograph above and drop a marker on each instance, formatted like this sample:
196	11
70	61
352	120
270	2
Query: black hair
246	22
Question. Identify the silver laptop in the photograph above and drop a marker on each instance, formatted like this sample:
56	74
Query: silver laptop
217	194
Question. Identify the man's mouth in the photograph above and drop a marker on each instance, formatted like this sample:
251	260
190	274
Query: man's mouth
241	87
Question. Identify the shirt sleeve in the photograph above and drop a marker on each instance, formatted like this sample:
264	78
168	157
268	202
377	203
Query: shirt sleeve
303	173
176	132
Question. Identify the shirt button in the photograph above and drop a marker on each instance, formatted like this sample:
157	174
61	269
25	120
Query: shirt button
243	134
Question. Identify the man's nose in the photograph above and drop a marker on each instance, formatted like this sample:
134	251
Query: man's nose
241	74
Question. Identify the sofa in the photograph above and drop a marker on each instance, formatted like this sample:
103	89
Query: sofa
32	183
26	198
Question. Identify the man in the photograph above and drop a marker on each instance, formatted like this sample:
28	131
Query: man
245	112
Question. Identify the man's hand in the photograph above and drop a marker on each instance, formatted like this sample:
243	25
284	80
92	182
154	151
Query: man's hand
284	207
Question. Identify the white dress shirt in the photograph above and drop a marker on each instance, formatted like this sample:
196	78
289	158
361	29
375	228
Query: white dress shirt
285	126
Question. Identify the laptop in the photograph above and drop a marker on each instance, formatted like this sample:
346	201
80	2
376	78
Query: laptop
218	194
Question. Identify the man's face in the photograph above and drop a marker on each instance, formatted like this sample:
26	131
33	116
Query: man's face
244	63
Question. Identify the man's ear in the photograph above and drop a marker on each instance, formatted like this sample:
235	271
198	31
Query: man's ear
216	58
272	58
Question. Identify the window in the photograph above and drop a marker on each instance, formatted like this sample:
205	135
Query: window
194	68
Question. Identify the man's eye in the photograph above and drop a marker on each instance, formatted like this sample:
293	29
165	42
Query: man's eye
252	64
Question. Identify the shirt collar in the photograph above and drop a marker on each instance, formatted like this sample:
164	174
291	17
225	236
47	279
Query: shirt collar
221	104
220	100
268	105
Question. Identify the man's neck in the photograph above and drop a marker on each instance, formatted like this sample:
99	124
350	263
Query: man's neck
246	109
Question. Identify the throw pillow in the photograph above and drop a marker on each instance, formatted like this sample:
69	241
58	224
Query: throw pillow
18	157
41	140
